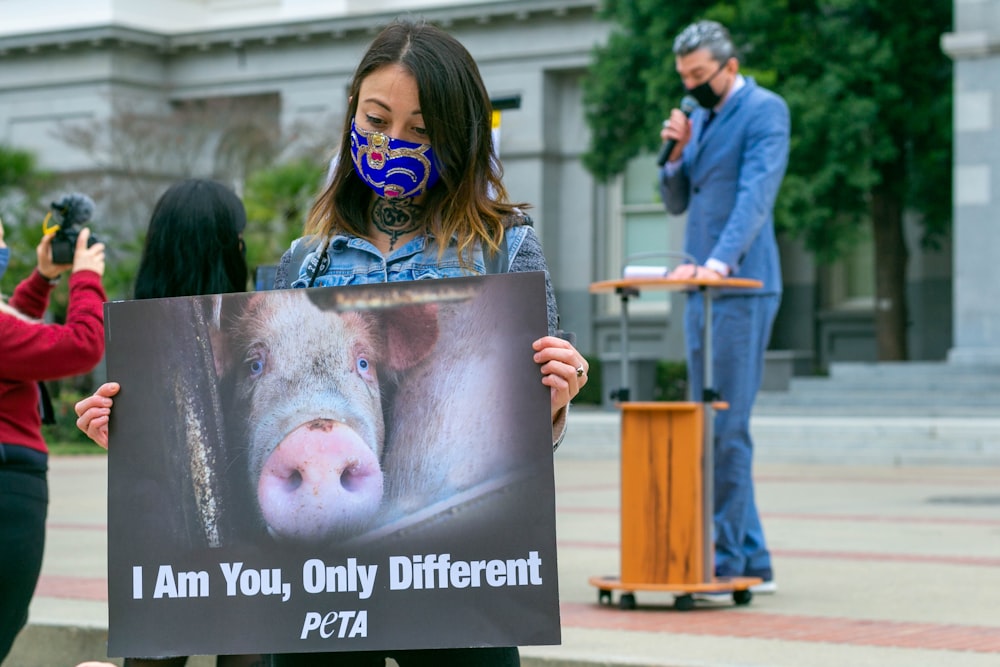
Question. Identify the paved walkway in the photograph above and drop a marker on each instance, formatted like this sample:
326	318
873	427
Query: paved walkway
876	565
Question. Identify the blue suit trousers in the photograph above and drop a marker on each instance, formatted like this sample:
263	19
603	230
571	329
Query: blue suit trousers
741	328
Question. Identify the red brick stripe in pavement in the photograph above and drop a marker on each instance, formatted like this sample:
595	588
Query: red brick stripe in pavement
710	622
784	627
942	480
72	588
877	518
938	559
78	526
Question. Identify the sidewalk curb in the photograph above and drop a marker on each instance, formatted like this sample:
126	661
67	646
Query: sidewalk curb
51	645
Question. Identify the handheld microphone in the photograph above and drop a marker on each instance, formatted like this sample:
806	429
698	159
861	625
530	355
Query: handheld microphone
688	105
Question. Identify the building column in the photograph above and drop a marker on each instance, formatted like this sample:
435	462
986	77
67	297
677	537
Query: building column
974	46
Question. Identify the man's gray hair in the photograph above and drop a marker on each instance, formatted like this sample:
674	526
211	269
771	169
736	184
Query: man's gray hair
710	35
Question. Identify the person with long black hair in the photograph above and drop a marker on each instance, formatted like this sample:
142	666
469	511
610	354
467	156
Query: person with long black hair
194	246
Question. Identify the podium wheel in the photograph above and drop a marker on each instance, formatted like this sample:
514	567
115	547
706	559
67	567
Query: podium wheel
603	596
626	601
742	597
684	603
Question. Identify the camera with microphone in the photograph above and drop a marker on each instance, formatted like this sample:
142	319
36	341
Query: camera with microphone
71	212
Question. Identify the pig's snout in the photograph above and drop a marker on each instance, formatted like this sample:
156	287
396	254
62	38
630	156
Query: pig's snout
321	481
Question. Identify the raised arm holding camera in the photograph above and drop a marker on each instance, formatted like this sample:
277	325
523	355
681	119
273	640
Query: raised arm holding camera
31	351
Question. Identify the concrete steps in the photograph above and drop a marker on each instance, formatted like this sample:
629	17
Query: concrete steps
877	440
903	389
914	413
884	413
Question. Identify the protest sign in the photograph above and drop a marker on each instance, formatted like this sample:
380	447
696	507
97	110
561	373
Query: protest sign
331	469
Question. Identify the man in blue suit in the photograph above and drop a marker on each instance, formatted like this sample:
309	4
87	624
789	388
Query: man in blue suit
725	171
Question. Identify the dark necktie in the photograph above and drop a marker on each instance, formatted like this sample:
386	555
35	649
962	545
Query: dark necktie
708	121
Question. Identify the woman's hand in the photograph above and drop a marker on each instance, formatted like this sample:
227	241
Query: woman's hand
564	370
94	413
46	267
88	257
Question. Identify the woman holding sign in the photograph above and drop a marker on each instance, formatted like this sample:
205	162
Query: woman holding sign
416	193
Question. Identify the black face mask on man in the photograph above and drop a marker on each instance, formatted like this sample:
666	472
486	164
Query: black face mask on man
703	92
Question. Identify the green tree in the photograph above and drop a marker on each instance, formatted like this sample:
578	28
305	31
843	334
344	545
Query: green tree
277	200
21	185
869	91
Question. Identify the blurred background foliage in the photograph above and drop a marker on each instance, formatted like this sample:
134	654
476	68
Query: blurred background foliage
277	199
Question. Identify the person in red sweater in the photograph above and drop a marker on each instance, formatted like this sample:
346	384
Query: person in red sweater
32	351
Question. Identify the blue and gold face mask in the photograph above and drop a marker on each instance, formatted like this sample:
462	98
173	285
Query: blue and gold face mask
392	167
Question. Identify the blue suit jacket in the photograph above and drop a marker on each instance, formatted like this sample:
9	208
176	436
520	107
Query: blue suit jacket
728	181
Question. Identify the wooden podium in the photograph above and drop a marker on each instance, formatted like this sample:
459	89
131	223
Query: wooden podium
667	475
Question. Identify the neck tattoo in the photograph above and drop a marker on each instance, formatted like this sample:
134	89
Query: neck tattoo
395	217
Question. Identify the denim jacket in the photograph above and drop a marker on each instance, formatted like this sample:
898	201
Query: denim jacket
350	260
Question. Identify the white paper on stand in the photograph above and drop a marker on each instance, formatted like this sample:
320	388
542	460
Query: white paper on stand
645	272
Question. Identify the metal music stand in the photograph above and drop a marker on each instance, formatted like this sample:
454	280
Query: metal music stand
624	294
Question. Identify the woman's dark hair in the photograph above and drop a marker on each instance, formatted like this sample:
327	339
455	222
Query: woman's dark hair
469	201
194	244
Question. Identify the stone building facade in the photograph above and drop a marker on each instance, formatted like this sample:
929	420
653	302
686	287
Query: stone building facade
974	46
64	62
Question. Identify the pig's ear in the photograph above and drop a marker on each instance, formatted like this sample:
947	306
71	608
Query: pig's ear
410	334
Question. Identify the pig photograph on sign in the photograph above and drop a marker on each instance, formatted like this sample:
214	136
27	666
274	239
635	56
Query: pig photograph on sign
331	469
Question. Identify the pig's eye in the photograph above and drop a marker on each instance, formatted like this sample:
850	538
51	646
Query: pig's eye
365	368
255	363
